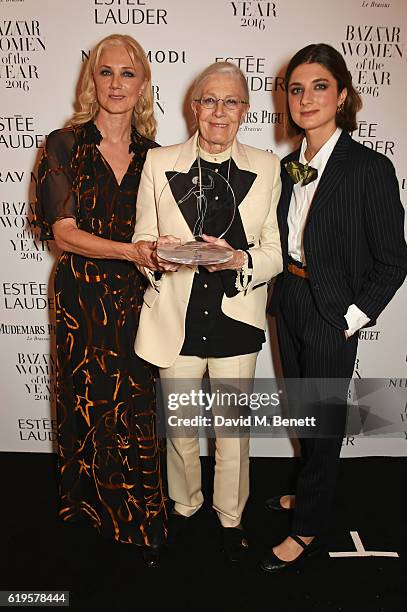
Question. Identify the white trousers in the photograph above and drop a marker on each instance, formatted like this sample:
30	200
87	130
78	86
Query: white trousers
231	481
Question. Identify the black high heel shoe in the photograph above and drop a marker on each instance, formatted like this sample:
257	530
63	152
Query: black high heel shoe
272	563
151	556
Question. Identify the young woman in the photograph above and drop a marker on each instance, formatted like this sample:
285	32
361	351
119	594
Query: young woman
342	231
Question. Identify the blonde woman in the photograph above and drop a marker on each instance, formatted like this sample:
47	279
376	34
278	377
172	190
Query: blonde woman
109	457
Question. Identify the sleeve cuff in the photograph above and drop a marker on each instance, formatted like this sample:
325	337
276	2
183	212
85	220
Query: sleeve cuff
154	278
244	275
356	319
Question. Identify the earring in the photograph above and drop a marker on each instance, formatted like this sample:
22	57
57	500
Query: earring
340	108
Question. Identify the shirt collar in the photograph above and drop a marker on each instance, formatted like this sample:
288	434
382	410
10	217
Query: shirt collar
216	158
320	159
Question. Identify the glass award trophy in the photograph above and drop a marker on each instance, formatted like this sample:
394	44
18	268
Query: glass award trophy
207	201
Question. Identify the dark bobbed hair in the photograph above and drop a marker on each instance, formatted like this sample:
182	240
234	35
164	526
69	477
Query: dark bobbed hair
332	60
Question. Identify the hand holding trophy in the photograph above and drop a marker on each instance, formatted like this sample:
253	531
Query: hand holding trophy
207	202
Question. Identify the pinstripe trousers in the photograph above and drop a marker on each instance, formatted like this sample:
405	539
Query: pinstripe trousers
311	347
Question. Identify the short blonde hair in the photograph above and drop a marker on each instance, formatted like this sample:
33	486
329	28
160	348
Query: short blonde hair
226	68
143	114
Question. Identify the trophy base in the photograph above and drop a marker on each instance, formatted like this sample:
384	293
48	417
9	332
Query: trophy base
195	253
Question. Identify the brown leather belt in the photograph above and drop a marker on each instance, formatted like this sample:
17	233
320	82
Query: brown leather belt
301	272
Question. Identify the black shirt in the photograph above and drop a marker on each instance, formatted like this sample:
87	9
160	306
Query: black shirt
208	331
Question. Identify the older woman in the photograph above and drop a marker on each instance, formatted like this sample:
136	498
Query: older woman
213	317
88	179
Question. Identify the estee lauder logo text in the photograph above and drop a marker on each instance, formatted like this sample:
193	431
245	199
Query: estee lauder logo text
41	430
16	39
254	70
17	132
26	296
366	134
122	13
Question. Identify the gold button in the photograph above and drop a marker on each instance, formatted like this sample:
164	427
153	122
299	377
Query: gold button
205	286
206	312
203	337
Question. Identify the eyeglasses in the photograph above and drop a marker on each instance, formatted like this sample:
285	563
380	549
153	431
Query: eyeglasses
229	103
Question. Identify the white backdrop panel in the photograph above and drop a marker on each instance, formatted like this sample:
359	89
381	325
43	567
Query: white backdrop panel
42	46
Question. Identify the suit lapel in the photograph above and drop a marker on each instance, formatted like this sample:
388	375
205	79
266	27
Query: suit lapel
287	186
187	154
183	163
332	175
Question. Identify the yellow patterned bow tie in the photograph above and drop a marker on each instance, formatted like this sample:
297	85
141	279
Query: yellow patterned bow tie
301	172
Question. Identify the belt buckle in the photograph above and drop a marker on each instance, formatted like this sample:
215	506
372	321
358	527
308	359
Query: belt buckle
300	272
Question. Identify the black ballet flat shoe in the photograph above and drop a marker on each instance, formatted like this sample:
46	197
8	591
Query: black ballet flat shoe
235	544
272	563
274	503
151	556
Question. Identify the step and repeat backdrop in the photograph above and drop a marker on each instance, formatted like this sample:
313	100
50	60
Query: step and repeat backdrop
43	45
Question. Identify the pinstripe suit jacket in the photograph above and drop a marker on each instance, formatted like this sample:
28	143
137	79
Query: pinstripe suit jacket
354	235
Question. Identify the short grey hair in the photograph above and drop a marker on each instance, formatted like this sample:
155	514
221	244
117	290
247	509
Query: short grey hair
220	68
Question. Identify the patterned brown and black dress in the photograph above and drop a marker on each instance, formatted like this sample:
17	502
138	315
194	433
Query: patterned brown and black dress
109	456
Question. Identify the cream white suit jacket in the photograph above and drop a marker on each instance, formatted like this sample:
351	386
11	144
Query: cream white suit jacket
161	329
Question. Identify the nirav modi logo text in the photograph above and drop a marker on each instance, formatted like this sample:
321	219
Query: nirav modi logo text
157	56
166	56
372	48
26	296
255	15
15	176
128	12
19	39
